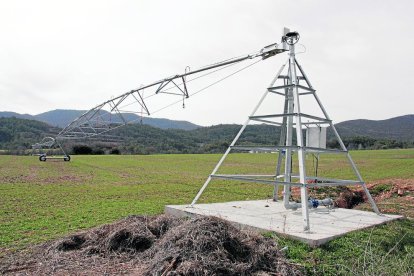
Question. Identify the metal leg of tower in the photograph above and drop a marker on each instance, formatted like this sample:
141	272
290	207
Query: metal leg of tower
356	171
281	142
276	191
288	157
200	192
351	162
288	141
371	200
305	207
364	186
222	159
301	152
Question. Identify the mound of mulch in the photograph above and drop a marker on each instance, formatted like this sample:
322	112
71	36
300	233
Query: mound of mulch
161	245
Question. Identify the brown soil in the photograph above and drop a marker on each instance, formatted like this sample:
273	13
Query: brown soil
391	195
159	245
400	187
398	199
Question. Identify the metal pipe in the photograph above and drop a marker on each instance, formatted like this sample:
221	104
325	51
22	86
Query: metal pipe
312	203
288	142
281	142
299	140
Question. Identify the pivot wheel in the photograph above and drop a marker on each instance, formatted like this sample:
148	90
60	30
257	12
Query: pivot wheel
66	158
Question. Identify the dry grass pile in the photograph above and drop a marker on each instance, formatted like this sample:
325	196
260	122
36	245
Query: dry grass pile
160	245
208	245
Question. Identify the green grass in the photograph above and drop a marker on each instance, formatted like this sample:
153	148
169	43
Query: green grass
381	188
40	201
382	250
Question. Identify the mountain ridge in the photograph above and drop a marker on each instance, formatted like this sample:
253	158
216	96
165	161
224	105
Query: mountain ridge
62	117
400	128
17	135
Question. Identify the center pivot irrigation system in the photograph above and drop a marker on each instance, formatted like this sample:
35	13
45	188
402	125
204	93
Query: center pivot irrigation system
131	107
292	123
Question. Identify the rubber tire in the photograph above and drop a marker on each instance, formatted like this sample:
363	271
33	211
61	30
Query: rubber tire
42	158
66	158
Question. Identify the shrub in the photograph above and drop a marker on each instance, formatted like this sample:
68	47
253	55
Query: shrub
81	149
115	151
98	151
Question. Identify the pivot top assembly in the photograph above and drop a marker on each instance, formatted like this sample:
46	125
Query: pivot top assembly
291	38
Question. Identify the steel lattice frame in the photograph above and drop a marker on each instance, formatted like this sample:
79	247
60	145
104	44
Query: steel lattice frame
98	122
291	120
113	113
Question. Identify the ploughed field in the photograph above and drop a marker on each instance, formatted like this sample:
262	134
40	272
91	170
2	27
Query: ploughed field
42	201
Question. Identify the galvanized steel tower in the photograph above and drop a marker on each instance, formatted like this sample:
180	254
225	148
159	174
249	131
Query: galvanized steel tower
293	122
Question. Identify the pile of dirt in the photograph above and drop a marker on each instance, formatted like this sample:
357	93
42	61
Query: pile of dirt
380	191
349	198
159	245
343	197
392	187
398	192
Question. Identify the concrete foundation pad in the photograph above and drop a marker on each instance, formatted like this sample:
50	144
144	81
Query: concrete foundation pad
267	215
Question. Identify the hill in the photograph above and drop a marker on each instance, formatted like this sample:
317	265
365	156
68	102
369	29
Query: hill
62	117
146	139
59	117
398	128
9	114
20	134
138	138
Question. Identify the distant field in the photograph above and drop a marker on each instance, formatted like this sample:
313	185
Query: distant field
40	201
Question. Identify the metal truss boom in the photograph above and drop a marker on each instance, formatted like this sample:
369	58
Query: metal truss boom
112	114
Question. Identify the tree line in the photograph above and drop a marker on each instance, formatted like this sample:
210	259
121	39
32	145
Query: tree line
17	136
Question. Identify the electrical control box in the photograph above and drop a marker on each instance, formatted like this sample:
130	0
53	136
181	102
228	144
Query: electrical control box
316	137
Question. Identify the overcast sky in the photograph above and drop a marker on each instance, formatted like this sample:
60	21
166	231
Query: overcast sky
76	54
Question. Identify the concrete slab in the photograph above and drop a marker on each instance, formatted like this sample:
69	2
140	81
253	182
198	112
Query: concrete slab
267	215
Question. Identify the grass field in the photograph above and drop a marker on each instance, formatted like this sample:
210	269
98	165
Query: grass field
40	201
